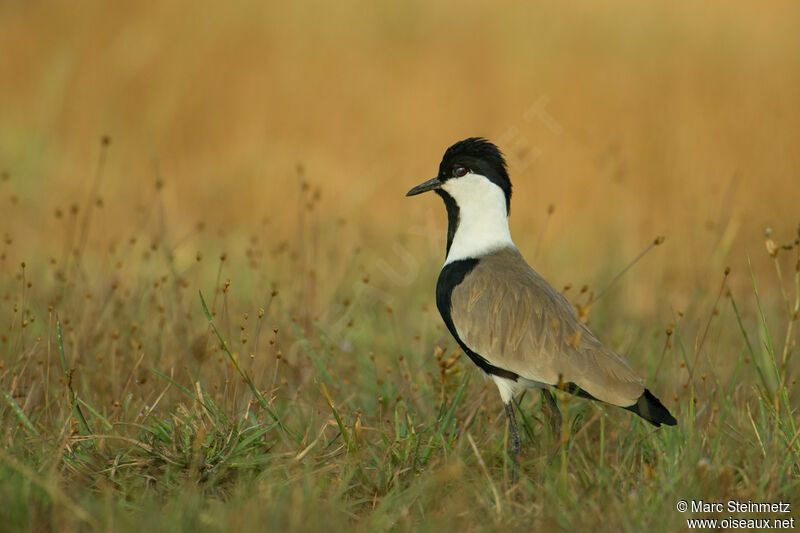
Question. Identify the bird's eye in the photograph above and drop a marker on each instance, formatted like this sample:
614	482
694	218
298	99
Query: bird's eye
459	172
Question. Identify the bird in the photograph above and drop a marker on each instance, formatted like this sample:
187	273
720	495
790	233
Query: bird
518	329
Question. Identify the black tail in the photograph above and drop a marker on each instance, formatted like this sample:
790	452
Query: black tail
651	409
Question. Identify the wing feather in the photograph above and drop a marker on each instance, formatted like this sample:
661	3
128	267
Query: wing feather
507	313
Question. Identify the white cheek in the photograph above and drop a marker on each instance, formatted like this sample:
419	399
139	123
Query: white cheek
483	217
473	190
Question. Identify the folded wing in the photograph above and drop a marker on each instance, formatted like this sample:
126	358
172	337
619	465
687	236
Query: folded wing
505	312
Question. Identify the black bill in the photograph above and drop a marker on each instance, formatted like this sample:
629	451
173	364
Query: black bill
429	185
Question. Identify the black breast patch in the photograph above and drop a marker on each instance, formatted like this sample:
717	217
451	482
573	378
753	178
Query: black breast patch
449	278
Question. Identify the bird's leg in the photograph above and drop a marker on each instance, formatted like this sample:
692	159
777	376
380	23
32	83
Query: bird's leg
552	412
516	441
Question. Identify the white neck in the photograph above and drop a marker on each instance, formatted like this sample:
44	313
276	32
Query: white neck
483	219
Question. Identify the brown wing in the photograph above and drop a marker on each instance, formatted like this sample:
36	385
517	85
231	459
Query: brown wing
507	313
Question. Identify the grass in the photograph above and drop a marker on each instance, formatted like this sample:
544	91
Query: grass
199	334
129	402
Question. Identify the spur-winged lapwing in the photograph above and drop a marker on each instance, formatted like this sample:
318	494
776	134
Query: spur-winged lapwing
513	324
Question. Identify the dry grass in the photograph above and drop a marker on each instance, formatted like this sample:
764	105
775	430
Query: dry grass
259	155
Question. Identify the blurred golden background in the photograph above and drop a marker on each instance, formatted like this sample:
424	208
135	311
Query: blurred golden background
260	152
632	119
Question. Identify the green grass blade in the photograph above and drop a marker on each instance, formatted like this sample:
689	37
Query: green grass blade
342	428
174	383
60	342
73	395
241	446
261	400
444	423
19	412
96	414
771	380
